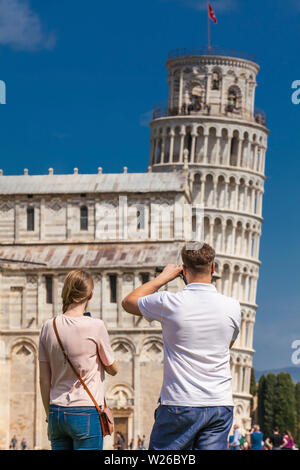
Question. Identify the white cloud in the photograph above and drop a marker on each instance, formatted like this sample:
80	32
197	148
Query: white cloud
146	118
21	27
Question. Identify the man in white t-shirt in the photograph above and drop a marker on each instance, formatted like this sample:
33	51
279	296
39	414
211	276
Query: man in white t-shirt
199	326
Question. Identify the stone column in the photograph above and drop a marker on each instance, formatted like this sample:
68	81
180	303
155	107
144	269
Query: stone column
239	153
254	236
258	158
259	203
237	194
248	242
163	145
253	191
238	275
242	332
211	233
205	147
254	286
256	249
202	190
241	250
251	329
182	134
248	288
250	154
223	236
194	136
230	282
225	195
216	160
227	160
248	375
172	134
214	198
240	387
254	166
234	227
252	289
247	153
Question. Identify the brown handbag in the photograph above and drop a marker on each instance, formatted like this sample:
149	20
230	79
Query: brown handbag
106	416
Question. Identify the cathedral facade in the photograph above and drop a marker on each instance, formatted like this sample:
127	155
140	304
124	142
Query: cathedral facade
206	169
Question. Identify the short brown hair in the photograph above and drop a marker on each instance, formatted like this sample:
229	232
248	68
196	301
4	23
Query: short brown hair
78	288
200	260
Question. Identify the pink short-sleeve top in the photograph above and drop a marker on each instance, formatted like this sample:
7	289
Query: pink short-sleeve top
86	342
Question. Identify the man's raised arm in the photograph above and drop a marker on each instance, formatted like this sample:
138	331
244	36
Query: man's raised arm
130	302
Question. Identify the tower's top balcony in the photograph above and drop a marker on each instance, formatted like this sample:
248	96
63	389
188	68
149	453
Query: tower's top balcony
211	51
211	81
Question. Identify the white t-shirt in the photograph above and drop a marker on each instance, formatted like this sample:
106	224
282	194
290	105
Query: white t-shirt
198	325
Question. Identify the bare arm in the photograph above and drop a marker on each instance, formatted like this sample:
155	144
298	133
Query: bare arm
130	302
112	369
284	443
45	384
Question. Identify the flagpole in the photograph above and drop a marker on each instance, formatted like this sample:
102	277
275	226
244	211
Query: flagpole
208	27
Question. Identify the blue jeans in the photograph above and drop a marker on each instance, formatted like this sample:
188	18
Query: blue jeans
74	428
191	428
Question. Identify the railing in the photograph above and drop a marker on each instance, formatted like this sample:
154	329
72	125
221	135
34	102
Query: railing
210	51
161	109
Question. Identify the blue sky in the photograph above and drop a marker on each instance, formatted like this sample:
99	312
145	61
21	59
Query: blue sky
82	78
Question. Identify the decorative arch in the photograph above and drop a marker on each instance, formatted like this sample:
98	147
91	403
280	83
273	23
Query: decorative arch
216	78
120	395
234	99
123	348
152	350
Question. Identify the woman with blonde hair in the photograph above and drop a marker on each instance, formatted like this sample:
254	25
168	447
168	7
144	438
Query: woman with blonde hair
73	419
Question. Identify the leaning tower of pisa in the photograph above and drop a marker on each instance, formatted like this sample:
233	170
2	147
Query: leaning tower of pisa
211	125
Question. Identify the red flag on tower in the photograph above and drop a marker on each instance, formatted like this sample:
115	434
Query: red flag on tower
211	14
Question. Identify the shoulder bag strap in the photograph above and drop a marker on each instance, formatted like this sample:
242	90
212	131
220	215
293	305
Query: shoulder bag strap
74	370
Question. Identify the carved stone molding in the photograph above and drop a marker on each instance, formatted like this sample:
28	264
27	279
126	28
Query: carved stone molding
6	206
55	204
31	279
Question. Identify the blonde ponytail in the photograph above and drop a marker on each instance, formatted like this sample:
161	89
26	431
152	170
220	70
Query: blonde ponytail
78	288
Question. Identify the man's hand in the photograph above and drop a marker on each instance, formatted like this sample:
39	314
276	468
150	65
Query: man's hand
130	302
170	272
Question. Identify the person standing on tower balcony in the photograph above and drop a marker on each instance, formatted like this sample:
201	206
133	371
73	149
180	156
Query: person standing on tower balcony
199	325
